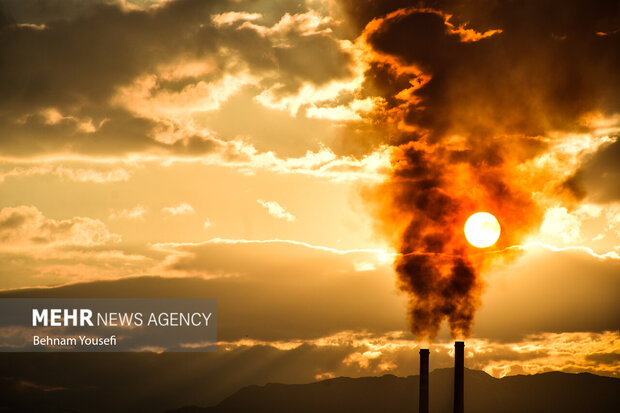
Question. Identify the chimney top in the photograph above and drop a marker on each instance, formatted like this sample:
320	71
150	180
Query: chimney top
424	350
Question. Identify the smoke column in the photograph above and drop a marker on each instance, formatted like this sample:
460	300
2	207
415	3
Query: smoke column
471	96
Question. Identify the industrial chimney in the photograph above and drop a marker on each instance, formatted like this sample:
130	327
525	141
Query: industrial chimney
459	373
424	352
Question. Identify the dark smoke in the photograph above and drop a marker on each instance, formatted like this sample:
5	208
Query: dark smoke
434	266
442	284
471	92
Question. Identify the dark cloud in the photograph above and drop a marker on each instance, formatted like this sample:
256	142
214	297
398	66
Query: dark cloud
568	291
42	12
598	177
119	133
282	291
273	282
84	59
605	358
26	226
75	64
265	306
80	58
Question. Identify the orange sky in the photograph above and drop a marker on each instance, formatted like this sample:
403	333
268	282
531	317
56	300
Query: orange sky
256	149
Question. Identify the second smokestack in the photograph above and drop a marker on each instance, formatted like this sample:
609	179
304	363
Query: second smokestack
424	352
459	373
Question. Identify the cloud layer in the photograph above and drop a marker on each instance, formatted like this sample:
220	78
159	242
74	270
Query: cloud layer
106	79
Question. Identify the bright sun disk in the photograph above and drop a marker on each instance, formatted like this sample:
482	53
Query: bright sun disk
482	229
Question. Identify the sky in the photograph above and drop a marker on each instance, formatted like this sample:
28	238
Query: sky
311	165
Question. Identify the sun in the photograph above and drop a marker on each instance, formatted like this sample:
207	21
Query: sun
482	230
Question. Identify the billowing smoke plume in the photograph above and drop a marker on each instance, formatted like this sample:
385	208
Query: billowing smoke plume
472	93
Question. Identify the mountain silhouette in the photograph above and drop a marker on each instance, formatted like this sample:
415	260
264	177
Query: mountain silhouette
545	392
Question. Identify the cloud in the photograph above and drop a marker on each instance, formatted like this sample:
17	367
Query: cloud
208	224
241	363
152	95
370	354
181	209
276	210
322	164
239	155
550	289
265	297
573	285
304	24
90	175
586	225
32	12
62	267
598	176
613	220
136	212
560	223
158	70
173	110
75	174
275	275
578	249
25	227
51	116
37	250
233	17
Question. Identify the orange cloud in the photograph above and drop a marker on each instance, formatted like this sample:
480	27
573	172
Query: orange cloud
181	209
370	354
25	227
276	210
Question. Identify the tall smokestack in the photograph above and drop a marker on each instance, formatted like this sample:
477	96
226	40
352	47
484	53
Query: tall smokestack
459	373
424	352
